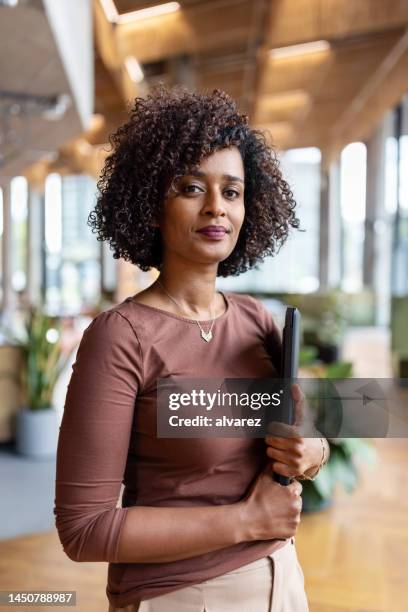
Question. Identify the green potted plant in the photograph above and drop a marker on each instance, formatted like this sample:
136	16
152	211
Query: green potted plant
324	318
37	421
341	467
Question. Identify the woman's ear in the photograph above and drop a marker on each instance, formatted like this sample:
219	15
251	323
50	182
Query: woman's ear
156	219
154	222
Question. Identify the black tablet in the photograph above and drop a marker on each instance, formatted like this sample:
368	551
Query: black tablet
289	370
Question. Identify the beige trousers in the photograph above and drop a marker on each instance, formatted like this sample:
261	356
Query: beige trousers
272	584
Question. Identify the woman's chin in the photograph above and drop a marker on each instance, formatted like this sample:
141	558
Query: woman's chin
216	254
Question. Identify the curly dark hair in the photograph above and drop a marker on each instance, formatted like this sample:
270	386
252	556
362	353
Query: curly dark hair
168	133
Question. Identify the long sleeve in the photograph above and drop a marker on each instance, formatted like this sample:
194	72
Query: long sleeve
94	438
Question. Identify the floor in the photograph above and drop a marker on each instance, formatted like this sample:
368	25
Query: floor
354	555
27	507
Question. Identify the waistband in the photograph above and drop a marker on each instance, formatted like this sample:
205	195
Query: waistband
264	561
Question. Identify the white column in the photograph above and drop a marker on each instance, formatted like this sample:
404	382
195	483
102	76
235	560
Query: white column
9	298
330	224
378	232
35	243
334	233
324	227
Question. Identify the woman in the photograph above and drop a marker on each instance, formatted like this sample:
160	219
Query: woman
193	191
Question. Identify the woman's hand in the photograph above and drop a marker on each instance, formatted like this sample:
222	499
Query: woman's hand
292	454
269	510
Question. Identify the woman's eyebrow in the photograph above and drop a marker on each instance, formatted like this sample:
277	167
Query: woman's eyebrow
229	177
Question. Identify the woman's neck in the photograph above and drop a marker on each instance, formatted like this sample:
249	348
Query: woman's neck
195	301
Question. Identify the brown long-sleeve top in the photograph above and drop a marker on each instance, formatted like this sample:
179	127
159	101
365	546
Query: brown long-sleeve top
108	437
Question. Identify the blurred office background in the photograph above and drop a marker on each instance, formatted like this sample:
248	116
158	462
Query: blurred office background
328	81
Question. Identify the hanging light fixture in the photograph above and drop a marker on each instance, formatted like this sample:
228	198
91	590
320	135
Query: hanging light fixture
17	110
139	14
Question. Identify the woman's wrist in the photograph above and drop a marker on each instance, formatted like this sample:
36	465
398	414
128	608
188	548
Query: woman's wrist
312	472
242	523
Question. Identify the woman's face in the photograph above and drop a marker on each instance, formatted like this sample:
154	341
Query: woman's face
211	195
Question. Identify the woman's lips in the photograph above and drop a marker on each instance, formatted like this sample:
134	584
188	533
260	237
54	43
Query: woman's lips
214	234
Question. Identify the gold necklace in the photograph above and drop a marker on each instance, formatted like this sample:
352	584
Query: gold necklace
207	336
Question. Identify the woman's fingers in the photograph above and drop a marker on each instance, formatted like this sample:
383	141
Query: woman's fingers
299	401
278	455
295	464
282	469
282	430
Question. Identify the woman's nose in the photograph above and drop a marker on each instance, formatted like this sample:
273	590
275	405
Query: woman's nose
214	203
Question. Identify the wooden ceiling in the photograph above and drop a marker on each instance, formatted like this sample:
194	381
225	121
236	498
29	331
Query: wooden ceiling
324	98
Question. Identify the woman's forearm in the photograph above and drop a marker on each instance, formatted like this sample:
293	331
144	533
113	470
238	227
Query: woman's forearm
156	535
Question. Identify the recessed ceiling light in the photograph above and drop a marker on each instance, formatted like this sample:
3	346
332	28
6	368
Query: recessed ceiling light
146	13
286	99
316	46
110	10
152	11
134	69
279	129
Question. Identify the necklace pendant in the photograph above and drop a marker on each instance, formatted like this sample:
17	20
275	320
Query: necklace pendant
206	335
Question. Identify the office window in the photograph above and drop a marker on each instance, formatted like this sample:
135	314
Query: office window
400	245
296	267
391	175
53	242
72	252
19	220
403	174
353	170
1	243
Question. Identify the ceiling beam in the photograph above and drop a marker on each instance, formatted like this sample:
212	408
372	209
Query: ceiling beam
335	85
107	38
194	29
381	92
297	21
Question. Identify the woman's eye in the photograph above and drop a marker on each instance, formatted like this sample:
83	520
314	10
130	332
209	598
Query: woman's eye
231	193
191	188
